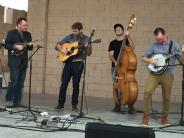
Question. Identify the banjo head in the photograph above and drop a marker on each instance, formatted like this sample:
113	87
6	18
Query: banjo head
161	66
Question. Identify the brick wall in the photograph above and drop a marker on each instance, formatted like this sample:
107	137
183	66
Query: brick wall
4	28
52	20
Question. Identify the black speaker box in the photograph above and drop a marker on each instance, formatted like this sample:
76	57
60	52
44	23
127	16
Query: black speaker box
99	130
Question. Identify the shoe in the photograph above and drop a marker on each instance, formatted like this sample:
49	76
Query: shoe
59	107
9	104
131	109
145	120
74	108
19	105
164	121
14	105
117	108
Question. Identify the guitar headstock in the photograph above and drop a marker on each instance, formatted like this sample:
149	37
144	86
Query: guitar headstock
132	22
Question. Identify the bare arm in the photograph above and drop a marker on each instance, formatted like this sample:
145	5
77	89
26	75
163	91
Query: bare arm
181	60
63	51
89	49
149	60
131	43
111	56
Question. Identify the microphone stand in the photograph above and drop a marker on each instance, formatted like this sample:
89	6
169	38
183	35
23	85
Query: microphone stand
84	50
29	110
81	114
181	121
3	109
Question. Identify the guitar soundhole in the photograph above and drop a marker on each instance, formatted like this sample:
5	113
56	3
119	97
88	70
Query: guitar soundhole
72	49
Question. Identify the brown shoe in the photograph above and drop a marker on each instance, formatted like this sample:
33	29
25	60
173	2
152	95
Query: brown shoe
164	121
145	120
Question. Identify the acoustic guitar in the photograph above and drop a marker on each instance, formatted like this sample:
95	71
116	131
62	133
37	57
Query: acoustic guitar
72	49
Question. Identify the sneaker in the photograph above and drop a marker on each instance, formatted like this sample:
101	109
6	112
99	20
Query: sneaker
164	121
145	120
19	105
14	105
74	108
8	104
11	106
59	107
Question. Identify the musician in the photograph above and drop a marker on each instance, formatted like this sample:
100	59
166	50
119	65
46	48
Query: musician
17	64
73	67
114	50
162	45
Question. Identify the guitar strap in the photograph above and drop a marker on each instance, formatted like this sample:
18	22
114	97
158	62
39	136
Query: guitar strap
170	49
170	46
81	41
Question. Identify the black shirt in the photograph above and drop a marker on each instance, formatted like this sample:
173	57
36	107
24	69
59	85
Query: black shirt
115	46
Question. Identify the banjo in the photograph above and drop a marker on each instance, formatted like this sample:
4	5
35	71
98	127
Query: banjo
162	61
162	64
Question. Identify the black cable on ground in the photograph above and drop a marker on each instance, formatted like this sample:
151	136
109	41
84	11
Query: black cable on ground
41	129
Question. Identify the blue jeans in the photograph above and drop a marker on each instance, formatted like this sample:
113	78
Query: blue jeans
16	84
71	70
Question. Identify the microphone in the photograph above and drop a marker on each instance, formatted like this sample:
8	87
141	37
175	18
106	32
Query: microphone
93	31
39	46
92	34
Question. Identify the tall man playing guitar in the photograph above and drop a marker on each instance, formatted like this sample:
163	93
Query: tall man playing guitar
17	63
114	50
160	55
73	62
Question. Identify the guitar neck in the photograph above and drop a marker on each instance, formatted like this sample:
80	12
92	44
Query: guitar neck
79	46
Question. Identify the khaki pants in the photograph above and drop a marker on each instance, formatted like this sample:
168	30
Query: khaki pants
166	85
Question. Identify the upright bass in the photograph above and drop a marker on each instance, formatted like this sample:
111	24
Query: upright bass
125	88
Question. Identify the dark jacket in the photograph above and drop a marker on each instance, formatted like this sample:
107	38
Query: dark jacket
13	37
